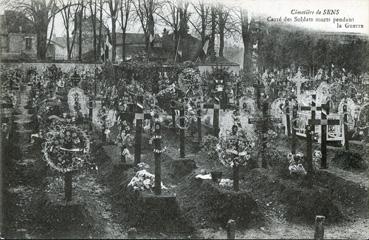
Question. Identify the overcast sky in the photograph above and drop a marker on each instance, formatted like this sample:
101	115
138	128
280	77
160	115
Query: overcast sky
354	9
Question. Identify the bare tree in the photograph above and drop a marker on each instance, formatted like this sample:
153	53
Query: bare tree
246	37
176	16
213	26
202	11
228	25
145	10
41	13
80	23
67	16
93	11
101	6
125	10
113	7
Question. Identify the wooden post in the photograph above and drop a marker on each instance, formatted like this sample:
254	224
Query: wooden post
294	126
231	229
139	117
309	147
90	111
182	133
216	118
313	109
199	126
68	186
173	112
319	227
345	127
157	152
264	131
236	177
288	123
323	136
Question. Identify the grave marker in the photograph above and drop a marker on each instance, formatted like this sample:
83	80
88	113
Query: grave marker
345	127
215	106
157	152
324	122
139	116
264	121
258	86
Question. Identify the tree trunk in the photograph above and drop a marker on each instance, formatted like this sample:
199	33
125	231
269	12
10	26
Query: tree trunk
100	31
124	45
212	36
221	40
113	39
246	42
80	33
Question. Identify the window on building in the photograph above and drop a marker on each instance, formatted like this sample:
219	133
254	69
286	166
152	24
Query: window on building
28	43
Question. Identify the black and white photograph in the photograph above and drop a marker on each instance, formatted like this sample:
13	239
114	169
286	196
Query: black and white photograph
184	119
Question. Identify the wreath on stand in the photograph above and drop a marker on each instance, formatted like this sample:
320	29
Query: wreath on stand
66	148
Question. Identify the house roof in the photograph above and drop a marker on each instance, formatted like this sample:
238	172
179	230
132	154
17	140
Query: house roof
16	22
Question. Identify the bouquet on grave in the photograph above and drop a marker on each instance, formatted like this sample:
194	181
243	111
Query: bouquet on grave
103	119
135	89
143	180
66	148
235	149
296	163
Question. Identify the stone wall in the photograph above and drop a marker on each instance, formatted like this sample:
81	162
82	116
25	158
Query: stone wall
65	67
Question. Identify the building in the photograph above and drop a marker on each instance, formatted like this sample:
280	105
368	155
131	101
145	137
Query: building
88	39
135	44
18	39
56	50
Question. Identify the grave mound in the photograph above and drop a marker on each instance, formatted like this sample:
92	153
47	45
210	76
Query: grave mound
206	205
58	218
349	160
300	203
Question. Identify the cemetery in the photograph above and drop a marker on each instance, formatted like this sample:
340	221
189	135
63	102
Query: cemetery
163	119
137	149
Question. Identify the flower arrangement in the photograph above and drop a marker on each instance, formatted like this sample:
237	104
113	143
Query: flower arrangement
142	181
66	148
296	163
103	118
235	148
317	157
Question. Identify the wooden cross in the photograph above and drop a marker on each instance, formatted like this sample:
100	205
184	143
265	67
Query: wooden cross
313	108
215	106
264	121
139	116
324	122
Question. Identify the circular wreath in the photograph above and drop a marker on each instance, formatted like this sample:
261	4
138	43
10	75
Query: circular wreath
66	148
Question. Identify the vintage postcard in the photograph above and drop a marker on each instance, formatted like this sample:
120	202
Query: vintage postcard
173	119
